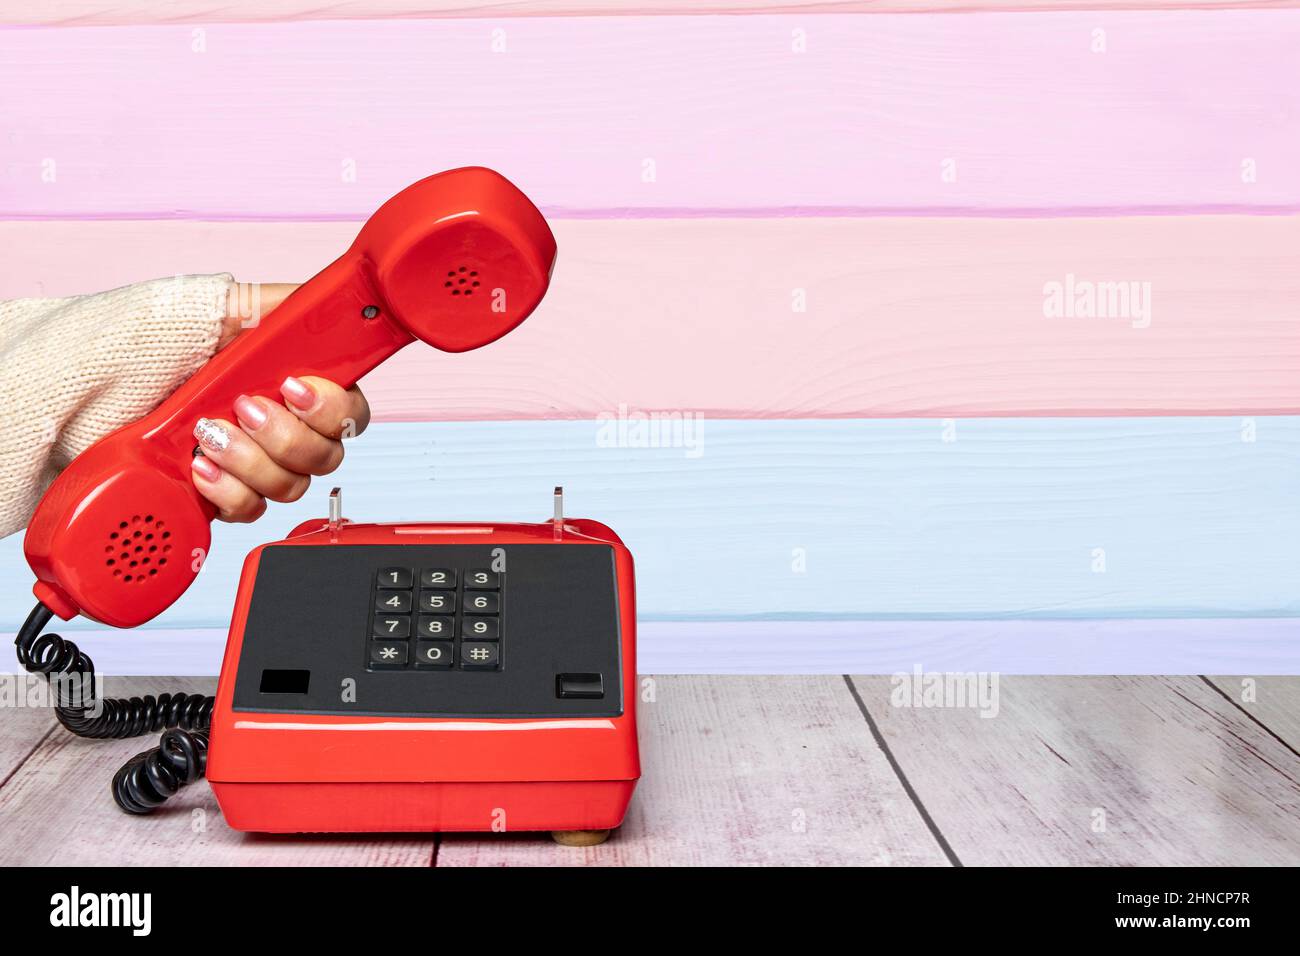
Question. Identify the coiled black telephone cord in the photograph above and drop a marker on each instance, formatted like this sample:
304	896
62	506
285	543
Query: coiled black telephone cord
146	780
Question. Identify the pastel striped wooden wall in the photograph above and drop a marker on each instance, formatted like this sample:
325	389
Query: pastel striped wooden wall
823	243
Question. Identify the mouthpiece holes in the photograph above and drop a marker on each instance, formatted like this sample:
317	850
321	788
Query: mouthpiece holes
462	281
131	552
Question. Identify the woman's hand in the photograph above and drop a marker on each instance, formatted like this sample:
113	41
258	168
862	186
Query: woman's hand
270	450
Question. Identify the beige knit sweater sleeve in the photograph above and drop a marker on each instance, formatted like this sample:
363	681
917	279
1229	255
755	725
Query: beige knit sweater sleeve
72	370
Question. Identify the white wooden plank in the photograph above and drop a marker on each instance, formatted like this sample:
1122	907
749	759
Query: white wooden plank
1273	701
744	771
1098	771
57	809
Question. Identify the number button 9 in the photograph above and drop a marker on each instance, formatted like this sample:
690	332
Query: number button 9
480	628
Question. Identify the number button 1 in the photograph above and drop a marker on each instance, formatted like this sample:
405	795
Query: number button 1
393	602
394	578
482	603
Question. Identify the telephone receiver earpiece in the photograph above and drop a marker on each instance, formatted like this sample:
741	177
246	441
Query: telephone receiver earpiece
456	260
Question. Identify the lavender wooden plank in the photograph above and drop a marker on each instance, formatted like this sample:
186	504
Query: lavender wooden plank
1096	771
1262	646
57	809
743	771
83	12
802	318
841	114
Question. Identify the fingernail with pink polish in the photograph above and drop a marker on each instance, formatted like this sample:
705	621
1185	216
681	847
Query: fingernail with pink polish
299	394
250	414
212	435
206	469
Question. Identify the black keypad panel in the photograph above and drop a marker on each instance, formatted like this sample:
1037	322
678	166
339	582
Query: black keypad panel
439	602
477	630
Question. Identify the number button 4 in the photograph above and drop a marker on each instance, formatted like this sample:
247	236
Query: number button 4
393	602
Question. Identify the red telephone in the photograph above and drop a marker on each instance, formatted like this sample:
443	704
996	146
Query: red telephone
499	696
456	260
456	677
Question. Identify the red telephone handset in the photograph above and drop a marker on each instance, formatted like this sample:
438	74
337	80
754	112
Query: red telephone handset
456	260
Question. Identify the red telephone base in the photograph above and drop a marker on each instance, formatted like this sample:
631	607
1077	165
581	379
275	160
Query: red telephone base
424	807
430	677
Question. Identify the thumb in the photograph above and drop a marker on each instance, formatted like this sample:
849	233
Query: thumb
247	303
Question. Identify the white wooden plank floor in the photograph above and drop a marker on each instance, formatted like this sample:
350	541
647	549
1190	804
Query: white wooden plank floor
792	770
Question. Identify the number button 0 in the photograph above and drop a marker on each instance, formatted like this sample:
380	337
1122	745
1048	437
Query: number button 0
438	578
482	580
393	628
394	578
436	627
438	602
480	628
482	604
393	602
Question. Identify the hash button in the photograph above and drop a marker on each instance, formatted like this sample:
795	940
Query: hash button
479	657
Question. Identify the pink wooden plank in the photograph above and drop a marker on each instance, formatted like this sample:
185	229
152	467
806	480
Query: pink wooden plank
271	120
82	12
904	317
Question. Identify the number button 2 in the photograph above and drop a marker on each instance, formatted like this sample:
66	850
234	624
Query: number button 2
438	578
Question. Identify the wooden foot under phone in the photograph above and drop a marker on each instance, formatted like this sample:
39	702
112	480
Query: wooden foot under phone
580	837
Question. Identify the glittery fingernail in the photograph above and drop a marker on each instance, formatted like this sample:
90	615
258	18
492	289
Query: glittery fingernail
212	435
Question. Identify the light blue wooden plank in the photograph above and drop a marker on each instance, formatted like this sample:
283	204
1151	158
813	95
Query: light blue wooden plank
891	520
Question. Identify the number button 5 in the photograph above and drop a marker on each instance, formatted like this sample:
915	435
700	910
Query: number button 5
438	602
